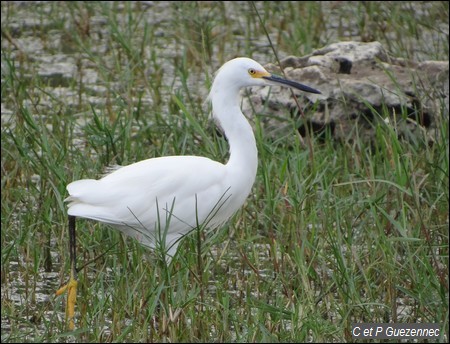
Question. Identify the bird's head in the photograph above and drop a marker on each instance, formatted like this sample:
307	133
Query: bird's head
242	72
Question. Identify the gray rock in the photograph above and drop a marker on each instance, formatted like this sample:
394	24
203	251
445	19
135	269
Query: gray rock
361	85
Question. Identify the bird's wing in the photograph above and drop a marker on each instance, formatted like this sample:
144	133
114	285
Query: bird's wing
187	190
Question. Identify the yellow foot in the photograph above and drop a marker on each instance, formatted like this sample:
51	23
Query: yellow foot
71	288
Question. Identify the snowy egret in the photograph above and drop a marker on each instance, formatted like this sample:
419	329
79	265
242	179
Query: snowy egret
158	201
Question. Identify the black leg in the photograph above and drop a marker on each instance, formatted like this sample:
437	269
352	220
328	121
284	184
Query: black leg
71	286
72	247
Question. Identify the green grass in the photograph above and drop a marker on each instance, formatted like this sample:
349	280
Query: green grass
349	234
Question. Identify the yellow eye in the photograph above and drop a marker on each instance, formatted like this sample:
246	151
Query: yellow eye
252	72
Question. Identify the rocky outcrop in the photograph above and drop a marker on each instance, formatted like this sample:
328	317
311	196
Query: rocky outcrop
360	84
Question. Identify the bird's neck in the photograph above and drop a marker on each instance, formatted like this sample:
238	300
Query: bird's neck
243	152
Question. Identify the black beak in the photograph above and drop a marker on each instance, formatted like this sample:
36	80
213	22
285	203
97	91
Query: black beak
281	81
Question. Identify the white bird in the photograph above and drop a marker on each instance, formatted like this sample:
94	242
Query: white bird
158	201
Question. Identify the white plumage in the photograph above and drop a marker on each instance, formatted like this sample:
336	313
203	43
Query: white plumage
169	196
